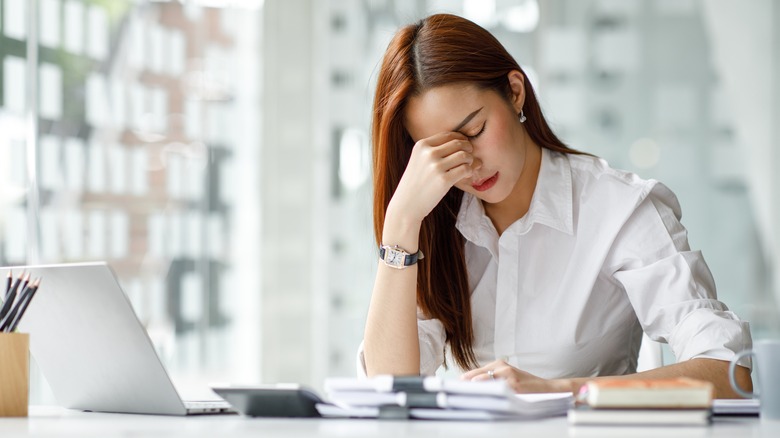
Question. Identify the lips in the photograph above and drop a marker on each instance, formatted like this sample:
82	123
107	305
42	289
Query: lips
486	183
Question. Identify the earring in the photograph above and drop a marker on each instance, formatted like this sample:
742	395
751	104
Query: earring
522	117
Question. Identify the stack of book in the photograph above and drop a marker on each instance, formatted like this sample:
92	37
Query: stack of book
675	401
437	399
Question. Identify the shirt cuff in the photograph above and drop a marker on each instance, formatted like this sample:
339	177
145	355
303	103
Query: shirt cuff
713	334
360	363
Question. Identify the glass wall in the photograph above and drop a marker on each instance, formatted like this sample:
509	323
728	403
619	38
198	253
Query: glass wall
120	142
216	152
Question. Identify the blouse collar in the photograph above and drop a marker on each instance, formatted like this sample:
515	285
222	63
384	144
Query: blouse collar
551	204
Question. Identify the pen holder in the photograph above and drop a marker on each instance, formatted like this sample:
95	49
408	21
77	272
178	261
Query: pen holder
14	374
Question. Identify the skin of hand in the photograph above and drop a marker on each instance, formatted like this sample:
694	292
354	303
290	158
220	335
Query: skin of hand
712	370
520	381
436	164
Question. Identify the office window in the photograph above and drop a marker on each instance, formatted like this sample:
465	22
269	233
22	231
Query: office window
49	27
14	19
14	83
130	157
73	25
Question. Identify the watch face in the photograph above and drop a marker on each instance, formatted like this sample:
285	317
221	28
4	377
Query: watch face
395	257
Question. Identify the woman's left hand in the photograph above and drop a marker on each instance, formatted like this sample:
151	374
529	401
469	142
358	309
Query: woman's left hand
520	381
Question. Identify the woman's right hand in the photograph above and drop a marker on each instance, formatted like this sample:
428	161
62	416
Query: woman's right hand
436	164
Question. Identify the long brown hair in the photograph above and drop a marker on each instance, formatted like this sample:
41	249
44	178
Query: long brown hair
440	50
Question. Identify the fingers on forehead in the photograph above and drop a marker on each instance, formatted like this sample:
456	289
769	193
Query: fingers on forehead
450	135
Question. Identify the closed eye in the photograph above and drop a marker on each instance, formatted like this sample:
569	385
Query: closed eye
481	130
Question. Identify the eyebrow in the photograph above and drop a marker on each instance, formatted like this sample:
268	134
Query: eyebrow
466	120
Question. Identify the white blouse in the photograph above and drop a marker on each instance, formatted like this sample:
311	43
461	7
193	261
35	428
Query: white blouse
568	289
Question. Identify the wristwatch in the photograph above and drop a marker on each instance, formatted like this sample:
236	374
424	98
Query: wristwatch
398	258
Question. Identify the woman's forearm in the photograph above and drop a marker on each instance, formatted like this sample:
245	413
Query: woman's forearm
391	345
711	370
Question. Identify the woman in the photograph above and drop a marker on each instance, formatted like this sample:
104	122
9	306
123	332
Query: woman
525	259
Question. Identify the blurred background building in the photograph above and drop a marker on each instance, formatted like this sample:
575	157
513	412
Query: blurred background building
217	154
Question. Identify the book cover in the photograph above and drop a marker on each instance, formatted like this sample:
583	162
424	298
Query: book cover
648	393
585	415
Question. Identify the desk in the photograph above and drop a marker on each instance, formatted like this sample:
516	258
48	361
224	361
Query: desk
54	421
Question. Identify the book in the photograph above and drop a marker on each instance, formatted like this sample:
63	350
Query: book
679	392
435	398
727	406
585	415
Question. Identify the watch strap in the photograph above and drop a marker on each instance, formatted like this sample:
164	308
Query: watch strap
409	259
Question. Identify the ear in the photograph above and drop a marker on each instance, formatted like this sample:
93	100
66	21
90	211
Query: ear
517	84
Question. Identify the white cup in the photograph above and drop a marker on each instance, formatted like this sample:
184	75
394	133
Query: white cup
767	368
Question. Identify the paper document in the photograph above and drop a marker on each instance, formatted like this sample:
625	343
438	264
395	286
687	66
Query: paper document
436	398
332	411
428	384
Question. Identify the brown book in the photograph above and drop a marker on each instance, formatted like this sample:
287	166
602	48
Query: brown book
681	392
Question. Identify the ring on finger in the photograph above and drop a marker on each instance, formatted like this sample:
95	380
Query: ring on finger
490	374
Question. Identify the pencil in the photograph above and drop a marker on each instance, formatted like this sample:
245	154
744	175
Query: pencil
7	319
9	299
16	283
23	305
26	281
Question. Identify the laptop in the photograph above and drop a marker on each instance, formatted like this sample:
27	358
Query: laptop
93	350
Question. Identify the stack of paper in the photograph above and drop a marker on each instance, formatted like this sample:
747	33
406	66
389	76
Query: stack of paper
677	401
436	398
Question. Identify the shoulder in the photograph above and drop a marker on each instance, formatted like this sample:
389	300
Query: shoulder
593	176
597	184
596	172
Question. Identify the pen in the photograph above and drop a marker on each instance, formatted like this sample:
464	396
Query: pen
25	301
